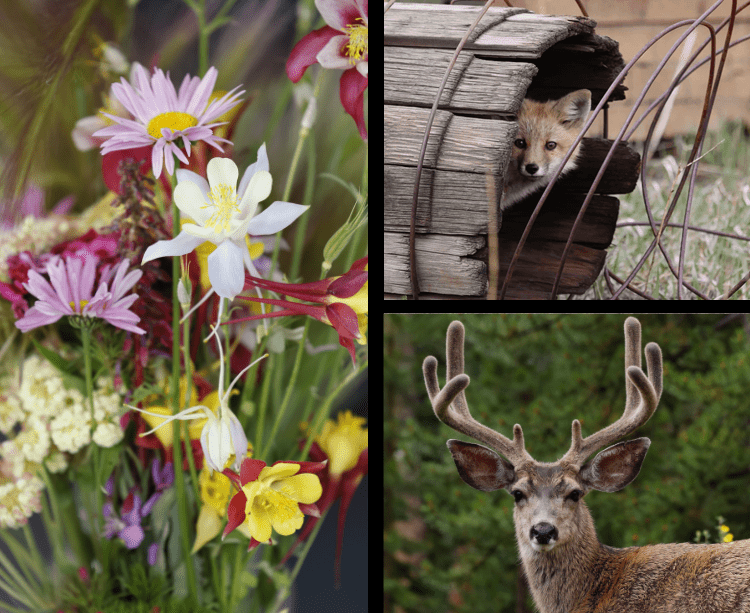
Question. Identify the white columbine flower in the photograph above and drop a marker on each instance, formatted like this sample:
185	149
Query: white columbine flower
222	435
224	215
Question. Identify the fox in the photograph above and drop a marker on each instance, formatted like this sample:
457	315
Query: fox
546	131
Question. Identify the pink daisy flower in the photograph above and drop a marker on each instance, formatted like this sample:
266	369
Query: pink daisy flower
72	281
162	115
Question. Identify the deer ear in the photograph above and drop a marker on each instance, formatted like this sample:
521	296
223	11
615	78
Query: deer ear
480	467
616	466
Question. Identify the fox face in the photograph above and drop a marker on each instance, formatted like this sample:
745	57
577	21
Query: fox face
546	131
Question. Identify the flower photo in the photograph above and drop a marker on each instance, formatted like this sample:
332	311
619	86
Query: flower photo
183	306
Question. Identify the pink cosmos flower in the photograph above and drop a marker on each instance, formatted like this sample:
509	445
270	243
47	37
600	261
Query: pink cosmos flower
72	281
340	44
162	115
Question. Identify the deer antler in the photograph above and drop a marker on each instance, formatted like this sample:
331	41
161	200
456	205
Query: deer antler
642	395
450	404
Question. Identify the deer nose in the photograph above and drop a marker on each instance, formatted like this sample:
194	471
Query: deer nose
543	533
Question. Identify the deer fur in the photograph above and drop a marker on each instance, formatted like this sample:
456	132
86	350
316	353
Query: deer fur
568	570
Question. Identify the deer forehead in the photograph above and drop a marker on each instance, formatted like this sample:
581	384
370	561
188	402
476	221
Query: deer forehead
554	479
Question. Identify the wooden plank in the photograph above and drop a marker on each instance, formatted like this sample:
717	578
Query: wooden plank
456	203
555	220
449	202
537	266
455	143
503	32
474	85
434	25
445	265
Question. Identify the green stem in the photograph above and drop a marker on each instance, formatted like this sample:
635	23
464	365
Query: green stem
94	448
176	429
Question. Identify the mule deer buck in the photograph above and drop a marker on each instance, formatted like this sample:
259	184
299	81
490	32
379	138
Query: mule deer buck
567	568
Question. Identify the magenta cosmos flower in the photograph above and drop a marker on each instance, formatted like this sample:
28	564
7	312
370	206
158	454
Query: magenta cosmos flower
69	293
341	44
162	115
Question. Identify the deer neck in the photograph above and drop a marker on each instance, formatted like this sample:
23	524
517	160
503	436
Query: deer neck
559	579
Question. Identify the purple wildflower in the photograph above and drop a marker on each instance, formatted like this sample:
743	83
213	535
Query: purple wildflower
127	525
70	293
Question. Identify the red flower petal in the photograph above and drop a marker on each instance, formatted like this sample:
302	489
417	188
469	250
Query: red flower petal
352	92
250	470
305	51
235	512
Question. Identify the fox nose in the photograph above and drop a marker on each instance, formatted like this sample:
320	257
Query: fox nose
543	533
532	169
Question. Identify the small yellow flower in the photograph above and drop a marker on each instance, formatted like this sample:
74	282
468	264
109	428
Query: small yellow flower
274	497
343	442
216	489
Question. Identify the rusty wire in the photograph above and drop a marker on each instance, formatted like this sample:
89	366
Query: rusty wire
694	156
692	161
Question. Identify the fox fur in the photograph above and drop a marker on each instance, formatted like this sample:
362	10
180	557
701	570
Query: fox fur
546	131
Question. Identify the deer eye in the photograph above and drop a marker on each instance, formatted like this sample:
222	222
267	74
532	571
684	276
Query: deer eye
575	495
518	495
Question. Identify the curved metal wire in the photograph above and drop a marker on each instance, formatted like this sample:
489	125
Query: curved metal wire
428	128
711	91
690	169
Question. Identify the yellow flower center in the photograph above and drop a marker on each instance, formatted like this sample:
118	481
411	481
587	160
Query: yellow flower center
73	305
357	47
280	507
224	202
172	120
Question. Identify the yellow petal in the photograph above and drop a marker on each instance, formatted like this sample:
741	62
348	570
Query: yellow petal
207	526
300	488
259	523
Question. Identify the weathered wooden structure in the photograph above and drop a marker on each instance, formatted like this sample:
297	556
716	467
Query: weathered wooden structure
512	53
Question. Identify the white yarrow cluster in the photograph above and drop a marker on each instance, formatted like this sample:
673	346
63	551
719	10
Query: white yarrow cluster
19	500
54	421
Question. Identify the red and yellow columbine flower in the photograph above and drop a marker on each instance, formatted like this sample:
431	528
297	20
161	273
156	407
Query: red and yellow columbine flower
342	300
216	490
273	497
344	444
340	44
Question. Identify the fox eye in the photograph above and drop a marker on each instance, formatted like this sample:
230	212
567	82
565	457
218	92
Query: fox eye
575	495
551	145
520	143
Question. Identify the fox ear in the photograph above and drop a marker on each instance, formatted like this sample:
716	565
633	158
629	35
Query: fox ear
575	108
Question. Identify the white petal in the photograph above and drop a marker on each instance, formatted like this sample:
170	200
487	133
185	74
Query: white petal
222	171
225	270
189	199
189	175
330	55
261	164
205	234
257	191
335	12
184	243
275	218
239	440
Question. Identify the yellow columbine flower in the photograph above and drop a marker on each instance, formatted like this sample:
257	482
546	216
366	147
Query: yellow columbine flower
273	497
343	442
216	489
